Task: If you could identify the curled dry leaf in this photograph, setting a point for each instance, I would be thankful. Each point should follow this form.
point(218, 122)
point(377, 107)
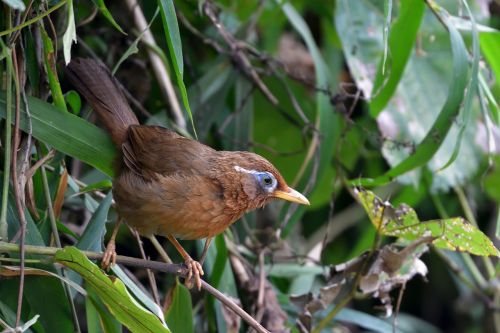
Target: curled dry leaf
point(311, 304)
point(392, 268)
point(296, 58)
point(388, 269)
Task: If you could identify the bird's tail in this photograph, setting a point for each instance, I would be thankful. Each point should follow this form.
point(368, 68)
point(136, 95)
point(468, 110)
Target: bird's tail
point(100, 89)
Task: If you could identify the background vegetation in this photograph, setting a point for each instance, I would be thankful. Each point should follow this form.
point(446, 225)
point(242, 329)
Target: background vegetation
point(397, 96)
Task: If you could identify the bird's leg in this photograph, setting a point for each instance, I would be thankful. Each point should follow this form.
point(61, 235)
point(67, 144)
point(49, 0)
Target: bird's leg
point(205, 250)
point(195, 270)
point(161, 251)
point(109, 257)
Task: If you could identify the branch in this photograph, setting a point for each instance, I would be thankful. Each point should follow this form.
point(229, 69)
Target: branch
point(177, 269)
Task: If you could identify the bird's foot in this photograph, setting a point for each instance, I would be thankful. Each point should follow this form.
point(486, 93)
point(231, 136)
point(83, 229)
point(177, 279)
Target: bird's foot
point(109, 257)
point(195, 271)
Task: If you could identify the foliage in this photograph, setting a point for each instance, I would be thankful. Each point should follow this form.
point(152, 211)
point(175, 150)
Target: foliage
point(400, 97)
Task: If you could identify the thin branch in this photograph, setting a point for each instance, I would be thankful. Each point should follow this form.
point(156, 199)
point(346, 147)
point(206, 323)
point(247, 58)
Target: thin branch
point(238, 56)
point(18, 192)
point(177, 269)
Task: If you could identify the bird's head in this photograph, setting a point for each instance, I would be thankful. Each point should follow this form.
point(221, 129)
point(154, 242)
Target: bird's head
point(261, 181)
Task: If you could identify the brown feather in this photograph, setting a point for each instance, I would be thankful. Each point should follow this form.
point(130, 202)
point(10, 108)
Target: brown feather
point(168, 184)
point(101, 91)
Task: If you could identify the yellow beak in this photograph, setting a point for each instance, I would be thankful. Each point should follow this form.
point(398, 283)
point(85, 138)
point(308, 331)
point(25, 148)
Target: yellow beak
point(291, 195)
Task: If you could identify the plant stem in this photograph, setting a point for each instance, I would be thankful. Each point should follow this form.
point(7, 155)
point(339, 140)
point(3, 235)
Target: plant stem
point(8, 140)
point(33, 20)
point(55, 233)
point(177, 269)
point(469, 215)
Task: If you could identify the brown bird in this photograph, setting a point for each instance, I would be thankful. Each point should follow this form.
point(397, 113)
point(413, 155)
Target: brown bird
point(169, 185)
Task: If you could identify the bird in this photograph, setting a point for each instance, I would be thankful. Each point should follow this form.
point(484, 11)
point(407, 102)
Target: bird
point(169, 185)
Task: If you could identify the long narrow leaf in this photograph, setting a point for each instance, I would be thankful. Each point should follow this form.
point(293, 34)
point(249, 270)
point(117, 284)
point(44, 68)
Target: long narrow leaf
point(67, 133)
point(173, 37)
point(112, 292)
point(436, 135)
point(401, 41)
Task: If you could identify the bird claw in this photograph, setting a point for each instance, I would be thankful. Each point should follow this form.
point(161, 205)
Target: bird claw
point(194, 273)
point(109, 257)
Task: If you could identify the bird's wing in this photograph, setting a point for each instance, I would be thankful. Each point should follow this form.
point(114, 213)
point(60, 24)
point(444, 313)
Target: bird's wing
point(151, 150)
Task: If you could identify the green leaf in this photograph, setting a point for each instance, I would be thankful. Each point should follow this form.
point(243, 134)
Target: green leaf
point(435, 136)
point(138, 292)
point(112, 292)
point(455, 234)
point(50, 66)
point(67, 133)
point(74, 101)
point(401, 41)
point(490, 47)
point(104, 11)
point(179, 313)
point(99, 186)
point(171, 27)
point(92, 237)
point(99, 320)
point(472, 89)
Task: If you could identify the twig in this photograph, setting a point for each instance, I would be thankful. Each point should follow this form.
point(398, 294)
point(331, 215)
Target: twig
point(157, 64)
point(177, 269)
point(233, 306)
point(151, 277)
point(33, 20)
point(55, 234)
point(17, 190)
point(239, 57)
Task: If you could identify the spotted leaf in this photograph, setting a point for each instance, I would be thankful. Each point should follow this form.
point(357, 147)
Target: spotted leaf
point(455, 234)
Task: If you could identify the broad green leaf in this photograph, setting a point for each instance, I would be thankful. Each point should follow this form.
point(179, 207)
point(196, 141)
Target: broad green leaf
point(179, 313)
point(455, 234)
point(67, 133)
point(430, 146)
point(139, 293)
point(104, 11)
point(69, 36)
point(112, 292)
point(99, 319)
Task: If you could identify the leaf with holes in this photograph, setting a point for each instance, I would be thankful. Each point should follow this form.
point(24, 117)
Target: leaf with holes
point(455, 234)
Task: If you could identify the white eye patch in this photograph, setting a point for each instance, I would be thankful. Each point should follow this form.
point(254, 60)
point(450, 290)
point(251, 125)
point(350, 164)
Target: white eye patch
point(240, 169)
point(266, 180)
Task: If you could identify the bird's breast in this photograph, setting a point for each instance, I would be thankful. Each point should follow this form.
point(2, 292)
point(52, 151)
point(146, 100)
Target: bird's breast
point(186, 206)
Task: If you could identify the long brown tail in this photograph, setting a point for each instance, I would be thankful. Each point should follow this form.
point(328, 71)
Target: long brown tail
point(95, 83)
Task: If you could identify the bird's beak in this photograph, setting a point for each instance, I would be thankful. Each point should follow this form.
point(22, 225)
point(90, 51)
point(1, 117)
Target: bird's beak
point(291, 195)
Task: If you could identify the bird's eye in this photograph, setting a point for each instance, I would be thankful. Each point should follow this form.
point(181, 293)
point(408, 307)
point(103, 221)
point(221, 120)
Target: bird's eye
point(267, 181)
